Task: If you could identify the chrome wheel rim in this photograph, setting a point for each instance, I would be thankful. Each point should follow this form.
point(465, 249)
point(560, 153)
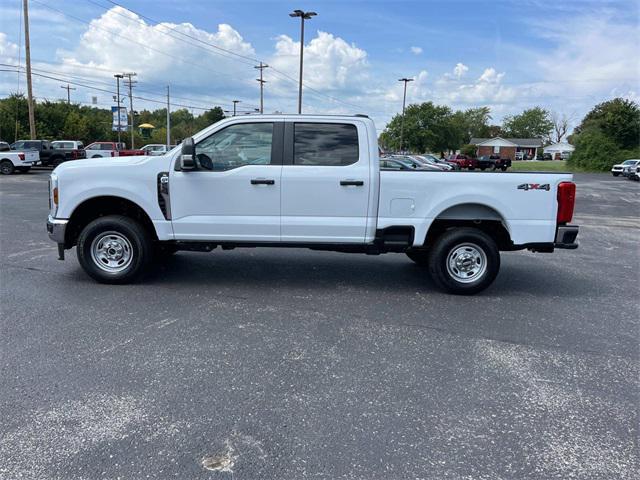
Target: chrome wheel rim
point(466, 263)
point(111, 252)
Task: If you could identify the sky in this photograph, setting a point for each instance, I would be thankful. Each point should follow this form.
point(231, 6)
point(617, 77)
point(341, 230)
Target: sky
point(565, 56)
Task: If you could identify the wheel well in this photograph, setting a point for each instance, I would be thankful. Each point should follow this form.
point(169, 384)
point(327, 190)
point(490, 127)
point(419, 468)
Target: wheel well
point(97, 207)
point(471, 215)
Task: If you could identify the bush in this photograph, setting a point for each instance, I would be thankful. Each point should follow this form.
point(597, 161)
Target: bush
point(469, 150)
point(594, 151)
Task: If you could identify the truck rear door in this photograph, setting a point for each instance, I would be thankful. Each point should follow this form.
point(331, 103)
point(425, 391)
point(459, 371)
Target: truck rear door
point(325, 182)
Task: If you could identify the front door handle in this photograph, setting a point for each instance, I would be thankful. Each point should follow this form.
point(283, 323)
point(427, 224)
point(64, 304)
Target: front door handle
point(351, 183)
point(262, 181)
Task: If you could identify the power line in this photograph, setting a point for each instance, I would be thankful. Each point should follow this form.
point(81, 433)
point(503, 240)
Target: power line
point(75, 82)
point(109, 83)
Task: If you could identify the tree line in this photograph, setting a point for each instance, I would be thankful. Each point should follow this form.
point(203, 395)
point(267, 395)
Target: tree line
point(60, 120)
point(609, 133)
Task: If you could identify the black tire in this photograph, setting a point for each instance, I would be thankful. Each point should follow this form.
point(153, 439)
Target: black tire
point(462, 243)
point(421, 257)
point(114, 228)
point(23, 169)
point(6, 167)
point(504, 169)
point(483, 168)
point(96, 156)
point(615, 174)
point(471, 169)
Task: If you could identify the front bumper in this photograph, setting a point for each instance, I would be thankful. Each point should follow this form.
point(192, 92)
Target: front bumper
point(566, 237)
point(56, 228)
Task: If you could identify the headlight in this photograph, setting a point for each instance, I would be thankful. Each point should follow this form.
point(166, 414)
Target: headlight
point(54, 194)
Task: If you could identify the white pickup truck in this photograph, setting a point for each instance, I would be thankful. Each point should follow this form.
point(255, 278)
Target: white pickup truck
point(11, 160)
point(302, 181)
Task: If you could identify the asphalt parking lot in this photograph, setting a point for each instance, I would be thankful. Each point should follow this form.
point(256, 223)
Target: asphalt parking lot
point(285, 364)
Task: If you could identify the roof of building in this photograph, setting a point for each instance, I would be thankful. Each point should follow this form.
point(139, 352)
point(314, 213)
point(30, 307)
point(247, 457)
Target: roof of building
point(520, 142)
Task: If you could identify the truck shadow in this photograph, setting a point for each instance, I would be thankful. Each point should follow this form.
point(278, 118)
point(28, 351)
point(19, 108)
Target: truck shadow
point(301, 269)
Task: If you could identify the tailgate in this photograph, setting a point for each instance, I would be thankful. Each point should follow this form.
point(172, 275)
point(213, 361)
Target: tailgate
point(31, 156)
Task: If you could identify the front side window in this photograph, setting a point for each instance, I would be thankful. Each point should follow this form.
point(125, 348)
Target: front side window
point(236, 146)
point(325, 144)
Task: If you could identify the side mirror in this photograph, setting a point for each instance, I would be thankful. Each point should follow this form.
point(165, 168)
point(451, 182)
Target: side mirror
point(188, 155)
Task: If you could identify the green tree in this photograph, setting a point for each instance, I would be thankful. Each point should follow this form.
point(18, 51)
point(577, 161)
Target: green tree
point(532, 123)
point(618, 119)
point(75, 127)
point(427, 127)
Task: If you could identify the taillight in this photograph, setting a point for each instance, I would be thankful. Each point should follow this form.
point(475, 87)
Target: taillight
point(566, 201)
point(21, 156)
point(113, 153)
point(74, 154)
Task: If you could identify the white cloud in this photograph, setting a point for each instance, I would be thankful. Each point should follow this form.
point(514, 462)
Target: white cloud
point(330, 63)
point(8, 50)
point(416, 50)
point(460, 69)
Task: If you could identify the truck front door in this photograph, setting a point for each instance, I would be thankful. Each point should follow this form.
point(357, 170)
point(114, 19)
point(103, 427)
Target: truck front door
point(325, 182)
point(234, 194)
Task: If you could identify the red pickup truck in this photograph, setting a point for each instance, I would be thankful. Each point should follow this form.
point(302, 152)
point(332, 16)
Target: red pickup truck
point(110, 149)
point(463, 161)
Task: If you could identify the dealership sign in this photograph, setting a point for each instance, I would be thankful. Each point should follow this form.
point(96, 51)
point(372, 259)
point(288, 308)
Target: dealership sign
point(123, 119)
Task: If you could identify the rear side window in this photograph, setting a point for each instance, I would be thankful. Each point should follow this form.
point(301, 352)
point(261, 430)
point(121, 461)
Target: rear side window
point(325, 144)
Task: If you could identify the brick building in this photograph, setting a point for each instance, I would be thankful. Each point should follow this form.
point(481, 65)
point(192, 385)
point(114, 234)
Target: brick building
point(508, 147)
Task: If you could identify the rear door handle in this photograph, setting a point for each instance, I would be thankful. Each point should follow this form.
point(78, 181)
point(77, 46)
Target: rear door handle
point(351, 183)
point(262, 181)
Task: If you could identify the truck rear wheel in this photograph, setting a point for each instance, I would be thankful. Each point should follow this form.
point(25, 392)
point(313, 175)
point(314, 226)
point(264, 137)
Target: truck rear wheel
point(114, 249)
point(6, 167)
point(464, 261)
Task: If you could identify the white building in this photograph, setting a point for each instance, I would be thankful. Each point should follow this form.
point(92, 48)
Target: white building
point(561, 150)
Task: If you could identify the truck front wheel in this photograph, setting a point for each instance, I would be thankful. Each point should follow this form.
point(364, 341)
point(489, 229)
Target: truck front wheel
point(114, 249)
point(464, 261)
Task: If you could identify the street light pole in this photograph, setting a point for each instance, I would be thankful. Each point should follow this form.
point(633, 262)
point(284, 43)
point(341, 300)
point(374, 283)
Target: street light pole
point(404, 100)
point(303, 16)
point(235, 102)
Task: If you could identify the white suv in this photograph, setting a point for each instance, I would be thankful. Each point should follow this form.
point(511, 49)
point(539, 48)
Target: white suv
point(625, 167)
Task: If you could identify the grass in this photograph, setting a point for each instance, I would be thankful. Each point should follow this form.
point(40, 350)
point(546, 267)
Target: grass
point(540, 166)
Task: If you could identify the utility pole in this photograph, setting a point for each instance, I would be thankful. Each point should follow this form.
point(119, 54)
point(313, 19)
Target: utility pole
point(235, 102)
point(404, 100)
point(261, 67)
point(130, 84)
point(68, 88)
point(27, 53)
point(118, 76)
point(168, 120)
point(303, 16)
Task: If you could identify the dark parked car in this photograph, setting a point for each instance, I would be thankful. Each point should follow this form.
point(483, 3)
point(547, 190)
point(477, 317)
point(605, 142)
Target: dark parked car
point(44, 148)
point(493, 162)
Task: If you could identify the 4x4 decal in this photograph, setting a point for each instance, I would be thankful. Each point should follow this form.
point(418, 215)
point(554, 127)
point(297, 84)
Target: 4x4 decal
point(534, 186)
